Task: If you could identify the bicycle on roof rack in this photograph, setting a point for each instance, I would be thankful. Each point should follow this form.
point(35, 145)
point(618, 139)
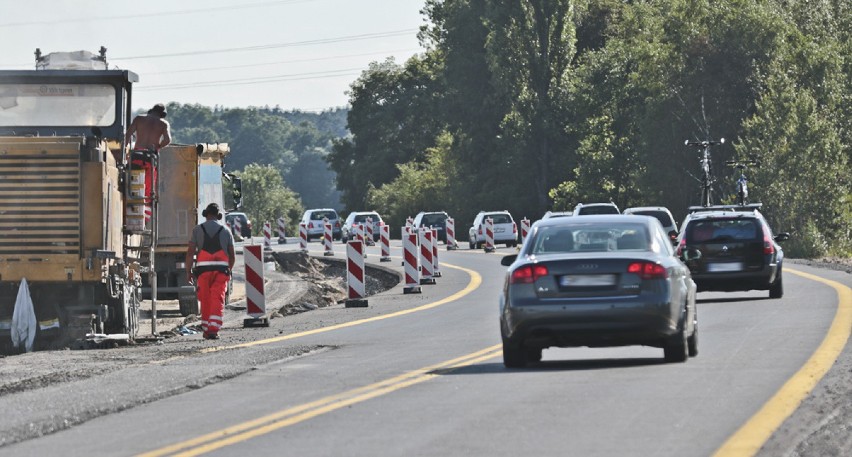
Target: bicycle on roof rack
point(706, 179)
point(742, 181)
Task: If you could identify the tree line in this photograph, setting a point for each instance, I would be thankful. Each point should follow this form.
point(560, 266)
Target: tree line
point(537, 105)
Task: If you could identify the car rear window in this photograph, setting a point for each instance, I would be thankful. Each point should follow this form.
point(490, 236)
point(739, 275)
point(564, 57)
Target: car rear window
point(319, 215)
point(591, 238)
point(604, 209)
point(433, 219)
point(662, 216)
point(712, 230)
point(363, 217)
point(500, 218)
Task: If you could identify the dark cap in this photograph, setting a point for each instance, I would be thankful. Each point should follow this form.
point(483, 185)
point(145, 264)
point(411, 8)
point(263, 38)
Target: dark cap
point(159, 109)
point(212, 210)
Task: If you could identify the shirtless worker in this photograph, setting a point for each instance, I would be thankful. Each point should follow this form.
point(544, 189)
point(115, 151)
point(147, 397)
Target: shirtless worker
point(152, 131)
point(152, 134)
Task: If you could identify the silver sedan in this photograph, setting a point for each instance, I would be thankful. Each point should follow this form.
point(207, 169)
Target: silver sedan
point(597, 281)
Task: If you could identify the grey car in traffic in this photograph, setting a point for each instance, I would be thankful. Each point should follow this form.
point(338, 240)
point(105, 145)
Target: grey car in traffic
point(597, 281)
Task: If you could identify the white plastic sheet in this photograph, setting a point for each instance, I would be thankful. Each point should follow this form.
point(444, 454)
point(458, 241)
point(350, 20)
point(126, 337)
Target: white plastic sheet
point(24, 322)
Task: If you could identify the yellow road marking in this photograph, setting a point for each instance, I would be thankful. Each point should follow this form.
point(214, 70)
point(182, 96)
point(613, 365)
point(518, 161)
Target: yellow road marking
point(475, 281)
point(757, 430)
point(294, 415)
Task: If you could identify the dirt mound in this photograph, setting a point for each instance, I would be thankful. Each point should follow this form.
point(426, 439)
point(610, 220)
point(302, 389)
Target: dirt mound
point(298, 263)
point(325, 286)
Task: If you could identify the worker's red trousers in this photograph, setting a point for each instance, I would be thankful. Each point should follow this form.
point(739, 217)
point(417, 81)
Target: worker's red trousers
point(212, 286)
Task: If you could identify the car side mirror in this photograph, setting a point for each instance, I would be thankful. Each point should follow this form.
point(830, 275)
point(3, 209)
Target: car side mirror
point(673, 237)
point(783, 236)
point(508, 259)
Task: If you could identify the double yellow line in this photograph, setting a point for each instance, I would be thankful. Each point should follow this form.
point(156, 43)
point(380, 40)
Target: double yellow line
point(263, 425)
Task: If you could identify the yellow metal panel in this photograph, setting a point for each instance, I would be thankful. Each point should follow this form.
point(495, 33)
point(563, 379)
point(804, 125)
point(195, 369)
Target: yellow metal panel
point(93, 225)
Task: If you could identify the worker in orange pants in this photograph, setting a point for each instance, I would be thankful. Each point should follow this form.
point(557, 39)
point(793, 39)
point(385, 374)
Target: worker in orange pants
point(211, 248)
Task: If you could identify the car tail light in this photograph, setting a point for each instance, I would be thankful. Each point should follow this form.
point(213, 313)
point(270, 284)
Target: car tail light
point(514, 228)
point(681, 246)
point(768, 247)
point(648, 270)
point(528, 274)
point(248, 223)
point(480, 230)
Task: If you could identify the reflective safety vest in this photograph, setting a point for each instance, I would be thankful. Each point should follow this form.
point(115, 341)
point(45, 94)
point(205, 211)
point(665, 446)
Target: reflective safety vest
point(211, 257)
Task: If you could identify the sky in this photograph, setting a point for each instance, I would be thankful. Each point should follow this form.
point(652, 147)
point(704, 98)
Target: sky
point(296, 54)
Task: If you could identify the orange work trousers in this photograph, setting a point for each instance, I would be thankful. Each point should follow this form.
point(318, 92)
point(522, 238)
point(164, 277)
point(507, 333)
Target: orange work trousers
point(212, 286)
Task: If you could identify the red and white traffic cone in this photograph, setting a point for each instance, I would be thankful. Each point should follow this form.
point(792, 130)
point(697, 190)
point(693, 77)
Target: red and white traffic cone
point(384, 239)
point(303, 237)
point(327, 239)
point(489, 235)
point(525, 229)
point(255, 295)
point(282, 238)
point(409, 261)
point(451, 235)
point(426, 265)
point(355, 275)
point(436, 272)
point(267, 236)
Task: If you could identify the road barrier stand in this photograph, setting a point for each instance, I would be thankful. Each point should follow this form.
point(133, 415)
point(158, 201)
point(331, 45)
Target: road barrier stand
point(303, 237)
point(355, 275)
point(436, 272)
point(255, 295)
point(267, 236)
point(409, 261)
point(238, 227)
point(384, 239)
point(452, 245)
point(327, 239)
point(369, 232)
point(426, 266)
point(525, 229)
point(282, 238)
point(489, 235)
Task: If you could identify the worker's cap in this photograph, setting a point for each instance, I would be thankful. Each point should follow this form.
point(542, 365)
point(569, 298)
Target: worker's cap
point(159, 109)
point(211, 211)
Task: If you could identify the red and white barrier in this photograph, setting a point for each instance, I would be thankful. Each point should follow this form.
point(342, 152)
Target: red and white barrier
point(282, 238)
point(452, 244)
point(238, 227)
point(525, 229)
point(369, 232)
point(384, 240)
point(255, 295)
point(436, 272)
point(303, 237)
point(409, 261)
point(327, 238)
point(355, 275)
point(267, 236)
point(409, 222)
point(489, 235)
point(426, 266)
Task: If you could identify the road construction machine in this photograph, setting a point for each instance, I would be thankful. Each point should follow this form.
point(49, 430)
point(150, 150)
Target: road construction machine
point(190, 178)
point(70, 224)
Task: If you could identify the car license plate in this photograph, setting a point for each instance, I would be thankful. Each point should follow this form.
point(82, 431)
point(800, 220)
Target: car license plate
point(499, 230)
point(587, 280)
point(724, 267)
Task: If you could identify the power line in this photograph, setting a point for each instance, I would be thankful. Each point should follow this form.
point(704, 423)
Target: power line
point(136, 15)
point(365, 36)
point(264, 64)
point(258, 80)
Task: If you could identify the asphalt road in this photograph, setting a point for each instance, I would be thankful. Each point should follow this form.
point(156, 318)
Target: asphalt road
point(423, 375)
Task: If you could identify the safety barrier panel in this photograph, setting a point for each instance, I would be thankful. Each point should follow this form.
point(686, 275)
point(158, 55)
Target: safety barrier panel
point(452, 244)
point(303, 237)
point(409, 261)
point(327, 238)
point(282, 238)
point(525, 229)
point(355, 275)
point(384, 239)
point(436, 272)
point(426, 265)
point(255, 294)
point(489, 235)
point(267, 236)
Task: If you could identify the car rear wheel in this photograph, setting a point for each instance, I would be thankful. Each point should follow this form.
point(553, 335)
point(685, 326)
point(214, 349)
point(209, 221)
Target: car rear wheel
point(776, 289)
point(692, 342)
point(534, 355)
point(676, 348)
point(514, 355)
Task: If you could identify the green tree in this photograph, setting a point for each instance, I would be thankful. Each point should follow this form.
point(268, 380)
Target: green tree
point(266, 198)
